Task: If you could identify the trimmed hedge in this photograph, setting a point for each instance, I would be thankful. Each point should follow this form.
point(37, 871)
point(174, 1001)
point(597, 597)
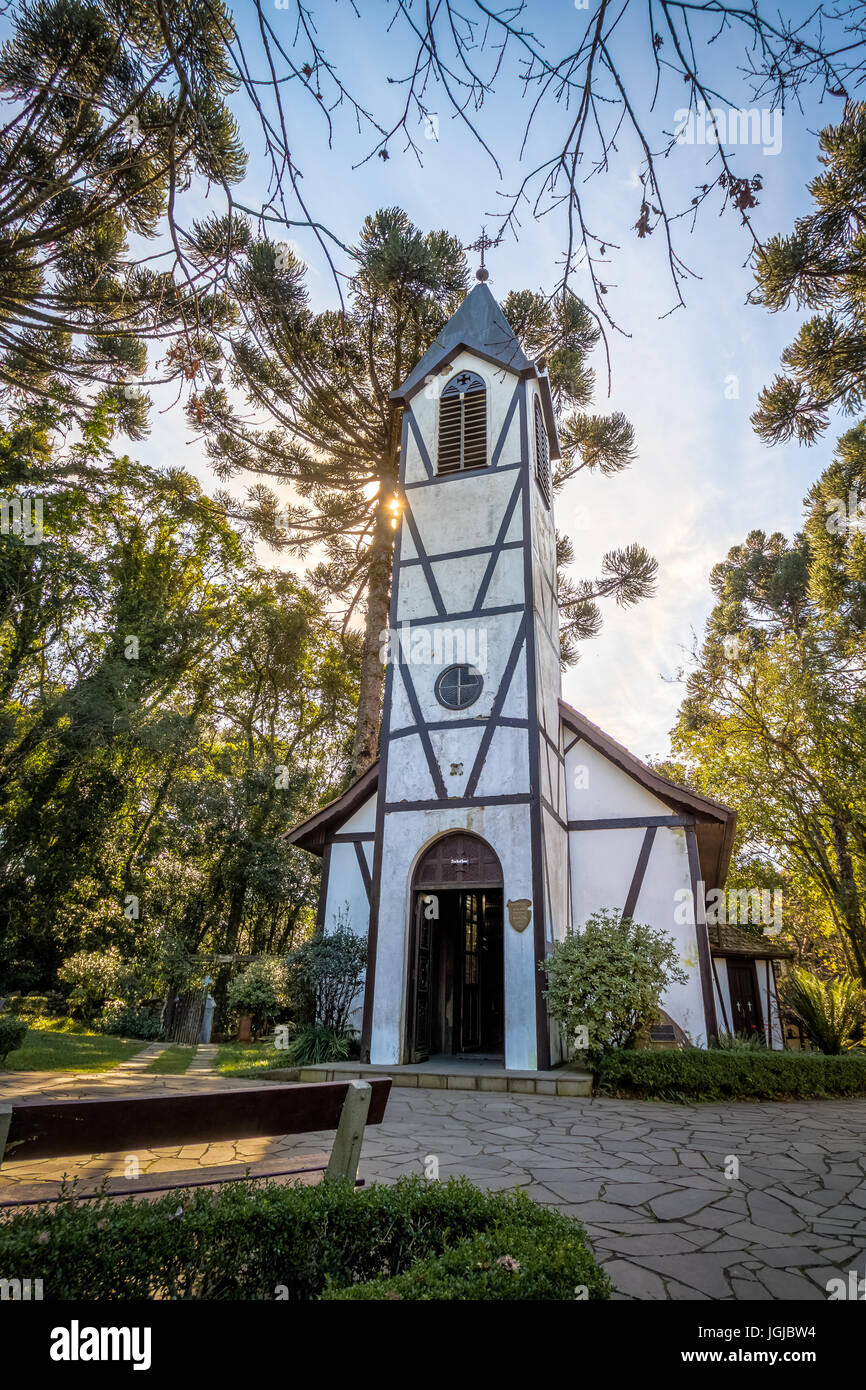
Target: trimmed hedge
point(52, 1005)
point(696, 1073)
point(264, 1240)
point(508, 1263)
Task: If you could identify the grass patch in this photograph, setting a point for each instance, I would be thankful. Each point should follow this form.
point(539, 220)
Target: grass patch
point(712, 1075)
point(413, 1240)
point(249, 1059)
point(62, 1045)
point(172, 1061)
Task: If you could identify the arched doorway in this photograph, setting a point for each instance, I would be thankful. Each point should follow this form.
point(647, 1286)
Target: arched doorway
point(456, 973)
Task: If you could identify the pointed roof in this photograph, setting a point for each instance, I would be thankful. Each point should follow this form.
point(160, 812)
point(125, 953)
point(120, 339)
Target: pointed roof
point(478, 326)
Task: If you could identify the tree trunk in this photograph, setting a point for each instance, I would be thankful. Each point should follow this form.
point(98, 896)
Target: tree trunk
point(848, 897)
point(366, 746)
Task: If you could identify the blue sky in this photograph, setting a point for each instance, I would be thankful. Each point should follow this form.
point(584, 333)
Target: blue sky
point(688, 381)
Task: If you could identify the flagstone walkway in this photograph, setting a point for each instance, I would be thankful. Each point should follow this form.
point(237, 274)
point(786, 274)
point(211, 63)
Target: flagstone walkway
point(680, 1202)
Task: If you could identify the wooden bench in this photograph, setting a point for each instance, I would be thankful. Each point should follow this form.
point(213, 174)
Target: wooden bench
point(35, 1129)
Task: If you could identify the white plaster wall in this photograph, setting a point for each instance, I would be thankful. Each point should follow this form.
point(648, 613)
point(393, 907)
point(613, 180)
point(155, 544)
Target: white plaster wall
point(346, 894)
point(602, 867)
point(608, 791)
point(498, 634)
point(406, 835)
point(364, 819)
point(667, 873)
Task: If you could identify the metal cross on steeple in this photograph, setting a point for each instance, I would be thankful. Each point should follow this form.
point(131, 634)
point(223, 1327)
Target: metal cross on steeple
point(483, 244)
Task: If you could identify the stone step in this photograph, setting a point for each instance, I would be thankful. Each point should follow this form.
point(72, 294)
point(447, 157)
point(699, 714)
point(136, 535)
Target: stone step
point(544, 1083)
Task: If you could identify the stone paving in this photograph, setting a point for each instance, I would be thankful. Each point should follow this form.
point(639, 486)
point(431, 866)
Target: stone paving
point(648, 1180)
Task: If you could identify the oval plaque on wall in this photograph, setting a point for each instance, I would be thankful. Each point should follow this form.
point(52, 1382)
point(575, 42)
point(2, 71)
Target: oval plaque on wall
point(519, 913)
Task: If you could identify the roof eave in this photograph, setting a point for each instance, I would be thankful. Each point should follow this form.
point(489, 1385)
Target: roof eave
point(313, 833)
point(406, 392)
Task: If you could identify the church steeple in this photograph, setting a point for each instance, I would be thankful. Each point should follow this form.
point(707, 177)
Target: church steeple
point(471, 739)
point(480, 327)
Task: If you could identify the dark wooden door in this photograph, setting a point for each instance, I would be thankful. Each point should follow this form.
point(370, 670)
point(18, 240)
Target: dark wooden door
point(745, 1000)
point(421, 984)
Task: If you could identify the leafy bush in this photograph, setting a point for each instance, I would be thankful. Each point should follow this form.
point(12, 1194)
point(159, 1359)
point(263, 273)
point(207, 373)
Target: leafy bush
point(698, 1074)
point(332, 967)
point(831, 1011)
point(95, 977)
point(260, 991)
point(249, 1240)
point(608, 979)
point(315, 1045)
point(13, 1031)
point(131, 1021)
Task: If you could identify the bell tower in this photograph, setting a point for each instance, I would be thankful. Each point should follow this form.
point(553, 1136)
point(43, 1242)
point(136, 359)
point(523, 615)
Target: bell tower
point(471, 741)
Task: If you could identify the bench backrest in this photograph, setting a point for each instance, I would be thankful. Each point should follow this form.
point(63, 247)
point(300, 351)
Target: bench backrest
point(55, 1128)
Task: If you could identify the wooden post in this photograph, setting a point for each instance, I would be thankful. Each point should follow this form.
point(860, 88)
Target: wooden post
point(5, 1122)
point(346, 1153)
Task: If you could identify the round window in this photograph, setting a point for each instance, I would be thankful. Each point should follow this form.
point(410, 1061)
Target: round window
point(459, 686)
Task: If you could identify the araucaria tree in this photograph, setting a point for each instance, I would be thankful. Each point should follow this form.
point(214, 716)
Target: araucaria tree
point(821, 266)
point(112, 111)
point(320, 417)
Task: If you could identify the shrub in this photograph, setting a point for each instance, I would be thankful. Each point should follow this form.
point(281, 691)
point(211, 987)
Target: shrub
point(831, 1011)
point(507, 1263)
point(95, 977)
point(50, 1005)
point(260, 991)
point(315, 1045)
point(332, 967)
point(698, 1074)
point(131, 1021)
point(607, 980)
point(13, 1031)
point(248, 1240)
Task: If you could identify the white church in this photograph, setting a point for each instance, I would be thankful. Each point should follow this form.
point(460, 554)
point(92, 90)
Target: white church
point(497, 816)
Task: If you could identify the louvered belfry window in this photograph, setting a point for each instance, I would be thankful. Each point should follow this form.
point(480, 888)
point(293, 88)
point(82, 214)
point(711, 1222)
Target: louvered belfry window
point(463, 424)
point(542, 453)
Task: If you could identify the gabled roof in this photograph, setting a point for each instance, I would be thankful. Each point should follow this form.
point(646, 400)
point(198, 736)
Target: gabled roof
point(315, 832)
point(715, 823)
point(478, 326)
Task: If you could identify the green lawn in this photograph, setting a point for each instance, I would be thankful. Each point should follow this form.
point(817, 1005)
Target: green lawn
point(66, 1046)
point(249, 1059)
point(173, 1061)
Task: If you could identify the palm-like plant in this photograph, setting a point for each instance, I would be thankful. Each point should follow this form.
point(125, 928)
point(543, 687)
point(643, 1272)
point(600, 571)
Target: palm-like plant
point(831, 1011)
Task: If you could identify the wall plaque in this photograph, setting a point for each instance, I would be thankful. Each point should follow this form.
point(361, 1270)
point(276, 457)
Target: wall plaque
point(519, 913)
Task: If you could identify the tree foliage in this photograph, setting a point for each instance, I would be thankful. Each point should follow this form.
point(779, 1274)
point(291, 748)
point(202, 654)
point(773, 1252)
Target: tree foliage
point(821, 266)
point(167, 709)
point(323, 421)
point(113, 110)
point(774, 721)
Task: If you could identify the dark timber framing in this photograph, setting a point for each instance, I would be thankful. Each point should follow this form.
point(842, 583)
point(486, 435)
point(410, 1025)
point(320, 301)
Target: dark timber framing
point(542, 1031)
point(364, 867)
point(629, 822)
point(373, 930)
point(640, 870)
point(702, 938)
